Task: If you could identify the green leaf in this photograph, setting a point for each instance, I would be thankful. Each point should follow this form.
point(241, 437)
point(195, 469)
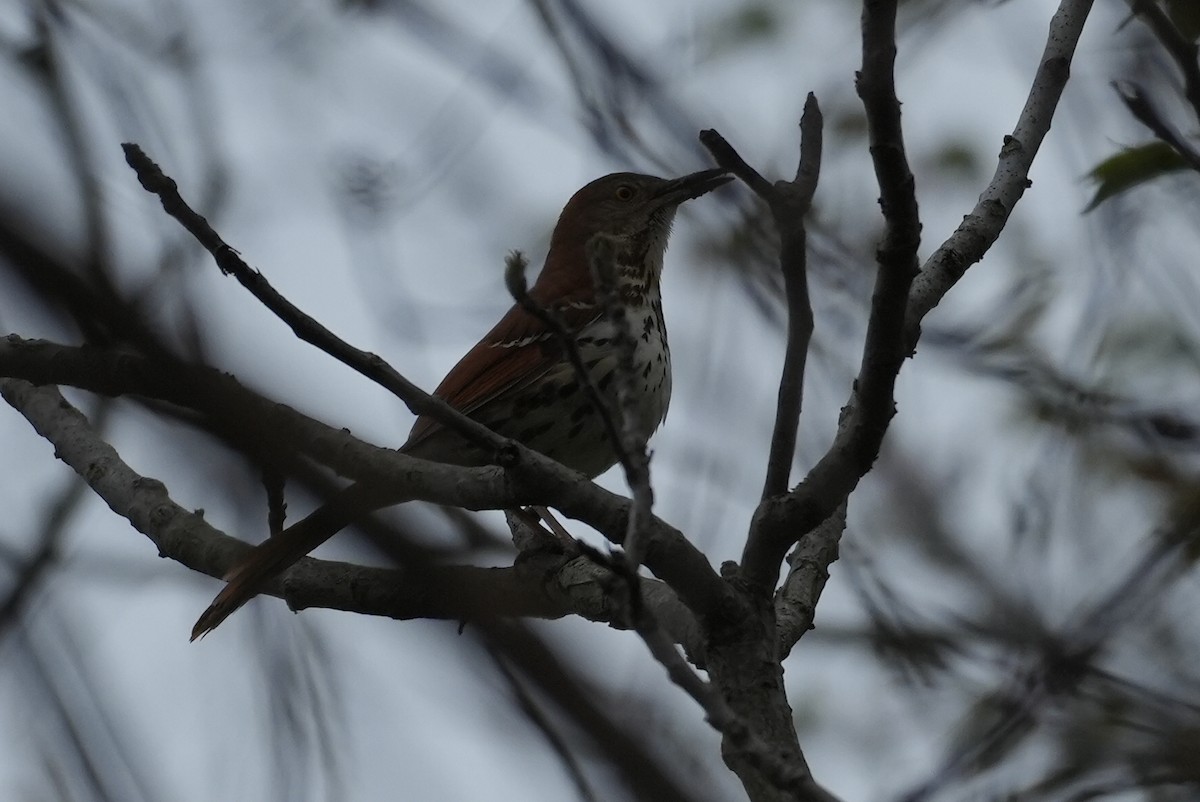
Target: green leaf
point(1131, 167)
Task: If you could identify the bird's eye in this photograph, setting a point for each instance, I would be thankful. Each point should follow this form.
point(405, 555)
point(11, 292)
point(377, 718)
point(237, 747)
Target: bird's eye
point(625, 192)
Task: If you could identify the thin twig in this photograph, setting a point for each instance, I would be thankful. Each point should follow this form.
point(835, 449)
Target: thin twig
point(788, 202)
point(305, 327)
point(725, 156)
point(630, 446)
point(629, 442)
point(543, 724)
point(273, 484)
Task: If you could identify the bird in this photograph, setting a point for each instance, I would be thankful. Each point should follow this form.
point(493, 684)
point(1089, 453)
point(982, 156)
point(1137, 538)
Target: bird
point(518, 379)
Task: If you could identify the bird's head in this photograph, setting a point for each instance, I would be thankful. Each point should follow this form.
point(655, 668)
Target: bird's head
point(636, 211)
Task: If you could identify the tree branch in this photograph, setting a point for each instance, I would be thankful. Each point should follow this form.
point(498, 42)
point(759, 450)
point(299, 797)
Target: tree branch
point(370, 365)
point(980, 228)
point(789, 202)
point(669, 555)
point(793, 777)
point(514, 279)
point(540, 586)
point(781, 521)
point(601, 255)
point(866, 417)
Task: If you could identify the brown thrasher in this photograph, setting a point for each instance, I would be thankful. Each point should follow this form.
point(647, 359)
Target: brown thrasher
point(517, 380)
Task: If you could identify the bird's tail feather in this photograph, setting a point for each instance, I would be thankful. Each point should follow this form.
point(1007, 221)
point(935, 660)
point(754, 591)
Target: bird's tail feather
point(276, 554)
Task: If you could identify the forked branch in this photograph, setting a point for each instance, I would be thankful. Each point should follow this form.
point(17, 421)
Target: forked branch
point(894, 327)
point(789, 202)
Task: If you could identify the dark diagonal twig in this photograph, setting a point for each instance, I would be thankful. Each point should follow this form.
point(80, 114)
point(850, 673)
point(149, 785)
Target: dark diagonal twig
point(305, 327)
point(630, 446)
point(1183, 50)
point(1139, 105)
point(543, 724)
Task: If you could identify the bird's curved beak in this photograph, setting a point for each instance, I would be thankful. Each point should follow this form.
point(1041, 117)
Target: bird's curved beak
point(678, 190)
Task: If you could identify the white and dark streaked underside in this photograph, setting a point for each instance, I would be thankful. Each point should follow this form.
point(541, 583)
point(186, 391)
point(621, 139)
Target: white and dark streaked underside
point(569, 429)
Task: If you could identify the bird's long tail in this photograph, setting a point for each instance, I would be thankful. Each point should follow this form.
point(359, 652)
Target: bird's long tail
point(276, 554)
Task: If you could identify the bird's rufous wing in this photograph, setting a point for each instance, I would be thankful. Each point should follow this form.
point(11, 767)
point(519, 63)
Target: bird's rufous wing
point(519, 350)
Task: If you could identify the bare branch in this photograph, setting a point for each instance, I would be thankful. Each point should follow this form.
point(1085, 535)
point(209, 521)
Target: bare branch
point(629, 441)
point(788, 201)
point(871, 406)
point(543, 586)
point(780, 521)
point(370, 365)
point(725, 156)
point(514, 279)
point(669, 555)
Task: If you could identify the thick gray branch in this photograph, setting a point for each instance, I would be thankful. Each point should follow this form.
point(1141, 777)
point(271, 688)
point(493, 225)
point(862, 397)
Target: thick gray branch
point(536, 481)
point(543, 586)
